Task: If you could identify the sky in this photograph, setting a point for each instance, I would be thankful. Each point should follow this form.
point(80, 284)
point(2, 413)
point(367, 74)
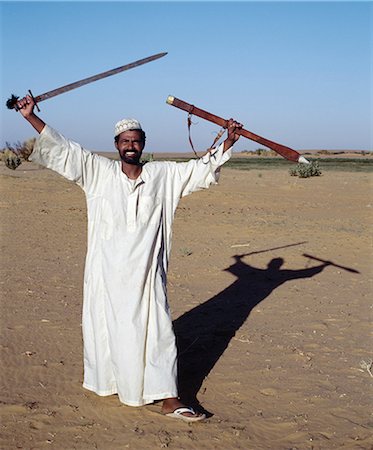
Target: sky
point(297, 73)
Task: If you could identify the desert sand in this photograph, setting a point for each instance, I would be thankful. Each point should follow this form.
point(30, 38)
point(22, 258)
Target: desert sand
point(271, 341)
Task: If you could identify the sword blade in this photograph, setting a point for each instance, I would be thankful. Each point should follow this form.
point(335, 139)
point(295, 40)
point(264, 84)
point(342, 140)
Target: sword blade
point(100, 76)
point(12, 102)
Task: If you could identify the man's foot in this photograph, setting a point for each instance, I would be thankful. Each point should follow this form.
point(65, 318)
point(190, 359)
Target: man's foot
point(172, 407)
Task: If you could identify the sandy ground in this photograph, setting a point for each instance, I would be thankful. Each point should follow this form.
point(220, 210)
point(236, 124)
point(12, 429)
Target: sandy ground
point(271, 341)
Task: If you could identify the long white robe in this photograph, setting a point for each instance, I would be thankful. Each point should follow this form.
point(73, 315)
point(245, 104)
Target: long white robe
point(129, 343)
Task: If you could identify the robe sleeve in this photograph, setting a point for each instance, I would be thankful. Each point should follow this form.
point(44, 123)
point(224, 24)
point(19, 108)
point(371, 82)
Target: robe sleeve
point(69, 159)
point(198, 174)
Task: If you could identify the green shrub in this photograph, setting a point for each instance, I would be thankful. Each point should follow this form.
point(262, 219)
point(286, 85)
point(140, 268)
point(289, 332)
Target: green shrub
point(306, 170)
point(11, 159)
point(147, 157)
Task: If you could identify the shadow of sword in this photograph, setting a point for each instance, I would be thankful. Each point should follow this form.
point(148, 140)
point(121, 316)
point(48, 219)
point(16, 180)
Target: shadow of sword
point(330, 263)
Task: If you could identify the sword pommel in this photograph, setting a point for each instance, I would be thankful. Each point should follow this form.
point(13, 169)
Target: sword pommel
point(11, 103)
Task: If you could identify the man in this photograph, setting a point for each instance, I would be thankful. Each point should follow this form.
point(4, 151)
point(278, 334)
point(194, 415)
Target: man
point(129, 343)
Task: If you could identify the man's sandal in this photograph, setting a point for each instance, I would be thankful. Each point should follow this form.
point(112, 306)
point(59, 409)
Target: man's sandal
point(178, 413)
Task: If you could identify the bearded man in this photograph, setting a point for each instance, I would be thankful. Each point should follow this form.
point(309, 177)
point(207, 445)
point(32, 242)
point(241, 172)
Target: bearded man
point(129, 342)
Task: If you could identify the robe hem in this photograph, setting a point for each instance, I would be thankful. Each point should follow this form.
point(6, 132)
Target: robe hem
point(147, 399)
point(100, 393)
point(156, 397)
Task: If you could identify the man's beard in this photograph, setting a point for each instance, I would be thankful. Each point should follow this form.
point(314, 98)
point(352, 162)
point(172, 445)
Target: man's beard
point(133, 159)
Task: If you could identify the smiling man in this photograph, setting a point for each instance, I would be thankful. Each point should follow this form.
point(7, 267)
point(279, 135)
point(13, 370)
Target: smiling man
point(130, 142)
point(129, 343)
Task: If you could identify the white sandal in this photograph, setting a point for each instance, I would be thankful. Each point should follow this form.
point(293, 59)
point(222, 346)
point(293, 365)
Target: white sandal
point(178, 413)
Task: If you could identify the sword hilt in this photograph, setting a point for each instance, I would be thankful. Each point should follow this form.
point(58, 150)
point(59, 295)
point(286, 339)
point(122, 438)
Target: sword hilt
point(11, 103)
point(36, 104)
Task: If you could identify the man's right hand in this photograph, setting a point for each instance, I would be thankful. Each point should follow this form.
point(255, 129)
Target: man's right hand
point(26, 107)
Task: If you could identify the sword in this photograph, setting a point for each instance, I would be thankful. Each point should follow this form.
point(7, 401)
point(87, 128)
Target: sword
point(286, 152)
point(12, 101)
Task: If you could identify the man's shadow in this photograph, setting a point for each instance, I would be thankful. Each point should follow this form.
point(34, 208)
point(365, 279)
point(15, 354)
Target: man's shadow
point(204, 332)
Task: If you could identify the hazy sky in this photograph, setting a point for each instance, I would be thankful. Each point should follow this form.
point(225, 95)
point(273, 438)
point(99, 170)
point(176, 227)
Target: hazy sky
point(298, 73)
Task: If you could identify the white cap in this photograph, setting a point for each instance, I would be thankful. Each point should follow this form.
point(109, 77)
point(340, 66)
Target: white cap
point(125, 125)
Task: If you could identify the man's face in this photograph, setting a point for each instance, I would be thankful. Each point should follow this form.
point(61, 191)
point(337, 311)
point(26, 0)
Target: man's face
point(130, 146)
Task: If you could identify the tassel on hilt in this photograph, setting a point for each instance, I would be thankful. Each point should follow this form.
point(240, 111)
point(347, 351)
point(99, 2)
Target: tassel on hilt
point(11, 103)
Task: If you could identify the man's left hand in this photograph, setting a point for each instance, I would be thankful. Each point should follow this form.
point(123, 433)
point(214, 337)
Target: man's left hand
point(233, 136)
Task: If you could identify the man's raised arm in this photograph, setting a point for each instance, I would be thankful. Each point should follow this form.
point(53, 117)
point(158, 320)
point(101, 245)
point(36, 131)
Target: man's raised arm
point(26, 108)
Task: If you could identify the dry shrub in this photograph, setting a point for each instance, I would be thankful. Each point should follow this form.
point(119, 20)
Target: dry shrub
point(12, 155)
point(324, 152)
point(26, 148)
point(265, 152)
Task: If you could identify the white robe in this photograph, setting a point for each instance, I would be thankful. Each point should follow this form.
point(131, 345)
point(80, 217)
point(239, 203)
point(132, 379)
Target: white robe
point(129, 343)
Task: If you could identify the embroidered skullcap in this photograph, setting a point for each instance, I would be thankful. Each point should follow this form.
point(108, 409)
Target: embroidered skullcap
point(125, 125)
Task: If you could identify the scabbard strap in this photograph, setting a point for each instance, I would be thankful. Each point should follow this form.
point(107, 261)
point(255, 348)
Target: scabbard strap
point(216, 140)
point(189, 133)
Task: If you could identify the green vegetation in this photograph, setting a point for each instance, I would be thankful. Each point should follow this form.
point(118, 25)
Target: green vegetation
point(11, 160)
point(306, 170)
point(262, 152)
point(147, 157)
point(326, 164)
